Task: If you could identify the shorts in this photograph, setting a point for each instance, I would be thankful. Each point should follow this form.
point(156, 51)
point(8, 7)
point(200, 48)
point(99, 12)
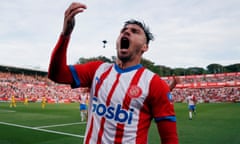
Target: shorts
point(192, 107)
point(83, 107)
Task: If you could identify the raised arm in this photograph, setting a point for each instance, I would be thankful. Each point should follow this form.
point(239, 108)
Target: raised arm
point(69, 15)
point(58, 70)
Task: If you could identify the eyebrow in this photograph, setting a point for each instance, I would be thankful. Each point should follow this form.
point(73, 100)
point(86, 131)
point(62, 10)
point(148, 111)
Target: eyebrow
point(131, 28)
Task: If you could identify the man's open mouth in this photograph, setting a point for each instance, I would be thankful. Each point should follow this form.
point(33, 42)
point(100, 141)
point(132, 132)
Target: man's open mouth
point(124, 43)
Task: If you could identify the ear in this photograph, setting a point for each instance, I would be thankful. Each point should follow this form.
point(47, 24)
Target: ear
point(144, 48)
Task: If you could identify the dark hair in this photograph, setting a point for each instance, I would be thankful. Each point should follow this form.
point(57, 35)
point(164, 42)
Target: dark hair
point(145, 28)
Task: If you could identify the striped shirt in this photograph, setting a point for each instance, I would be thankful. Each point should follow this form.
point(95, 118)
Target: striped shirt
point(122, 102)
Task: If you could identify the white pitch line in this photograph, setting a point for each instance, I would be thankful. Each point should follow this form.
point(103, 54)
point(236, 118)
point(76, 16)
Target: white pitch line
point(2, 110)
point(44, 130)
point(60, 125)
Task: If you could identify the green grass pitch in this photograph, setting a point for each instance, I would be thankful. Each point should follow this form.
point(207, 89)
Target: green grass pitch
point(60, 123)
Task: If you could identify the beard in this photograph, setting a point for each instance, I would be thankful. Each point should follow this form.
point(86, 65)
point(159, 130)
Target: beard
point(129, 56)
point(124, 58)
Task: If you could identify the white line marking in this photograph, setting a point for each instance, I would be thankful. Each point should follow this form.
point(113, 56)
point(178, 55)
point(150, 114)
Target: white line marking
point(44, 130)
point(60, 125)
point(2, 110)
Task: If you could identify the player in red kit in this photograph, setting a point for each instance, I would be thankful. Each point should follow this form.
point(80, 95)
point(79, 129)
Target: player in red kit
point(124, 96)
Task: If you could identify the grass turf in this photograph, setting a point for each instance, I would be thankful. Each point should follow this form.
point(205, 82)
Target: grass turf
point(214, 123)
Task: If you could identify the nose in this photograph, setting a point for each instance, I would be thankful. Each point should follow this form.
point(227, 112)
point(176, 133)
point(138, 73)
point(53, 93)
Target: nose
point(126, 32)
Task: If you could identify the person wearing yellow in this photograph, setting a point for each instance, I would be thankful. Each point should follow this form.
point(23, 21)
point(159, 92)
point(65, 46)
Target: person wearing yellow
point(43, 102)
point(12, 102)
point(25, 100)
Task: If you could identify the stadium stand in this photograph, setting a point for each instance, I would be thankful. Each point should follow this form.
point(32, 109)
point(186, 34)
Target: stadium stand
point(33, 84)
point(223, 87)
point(209, 88)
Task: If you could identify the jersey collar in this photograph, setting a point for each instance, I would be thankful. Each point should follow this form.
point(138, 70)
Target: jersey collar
point(119, 70)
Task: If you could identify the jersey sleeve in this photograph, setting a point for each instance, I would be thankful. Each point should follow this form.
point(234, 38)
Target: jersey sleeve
point(58, 71)
point(76, 75)
point(161, 100)
point(83, 73)
point(163, 111)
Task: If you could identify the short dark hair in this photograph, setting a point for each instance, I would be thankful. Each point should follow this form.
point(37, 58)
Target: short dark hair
point(145, 28)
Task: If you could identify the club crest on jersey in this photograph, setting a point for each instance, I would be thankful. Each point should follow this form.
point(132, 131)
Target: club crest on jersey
point(134, 91)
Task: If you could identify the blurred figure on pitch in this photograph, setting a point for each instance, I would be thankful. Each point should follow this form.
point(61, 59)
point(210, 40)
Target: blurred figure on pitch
point(25, 100)
point(192, 101)
point(83, 100)
point(12, 102)
point(43, 102)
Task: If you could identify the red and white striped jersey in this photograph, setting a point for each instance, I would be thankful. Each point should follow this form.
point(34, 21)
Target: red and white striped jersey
point(122, 102)
point(83, 98)
point(191, 100)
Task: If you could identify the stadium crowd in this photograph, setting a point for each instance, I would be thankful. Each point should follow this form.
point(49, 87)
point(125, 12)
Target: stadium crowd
point(224, 87)
point(34, 88)
point(207, 88)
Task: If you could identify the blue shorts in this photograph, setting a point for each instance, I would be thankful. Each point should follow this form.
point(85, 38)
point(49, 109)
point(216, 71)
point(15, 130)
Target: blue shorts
point(83, 107)
point(192, 107)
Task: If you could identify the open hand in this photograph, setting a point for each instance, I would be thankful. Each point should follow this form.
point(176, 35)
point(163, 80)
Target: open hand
point(69, 14)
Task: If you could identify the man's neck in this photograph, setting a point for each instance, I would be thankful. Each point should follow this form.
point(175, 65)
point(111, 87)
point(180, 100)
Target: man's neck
point(124, 65)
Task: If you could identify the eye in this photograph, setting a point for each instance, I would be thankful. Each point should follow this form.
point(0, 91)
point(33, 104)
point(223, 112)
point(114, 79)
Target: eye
point(123, 30)
point(134, 31)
